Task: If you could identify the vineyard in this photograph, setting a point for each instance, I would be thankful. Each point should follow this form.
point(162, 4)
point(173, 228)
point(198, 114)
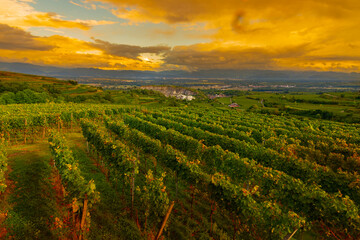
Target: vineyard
point(126, 172)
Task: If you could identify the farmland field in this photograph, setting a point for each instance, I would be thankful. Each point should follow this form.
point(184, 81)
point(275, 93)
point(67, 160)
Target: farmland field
point(115, 172)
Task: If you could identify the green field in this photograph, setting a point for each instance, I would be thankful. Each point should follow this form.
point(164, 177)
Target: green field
point(341, 106)
point(220, 156)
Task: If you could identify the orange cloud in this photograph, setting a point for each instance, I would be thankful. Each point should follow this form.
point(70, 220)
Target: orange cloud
point(170, 11)
point(84, 4)
point(174, 11)
point(51, 20)
point(19, 13)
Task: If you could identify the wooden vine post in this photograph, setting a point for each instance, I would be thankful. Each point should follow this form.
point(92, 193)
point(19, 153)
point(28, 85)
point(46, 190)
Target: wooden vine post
point(74, 218)
point(290, 235)
point(83, 218)
point(165, 220)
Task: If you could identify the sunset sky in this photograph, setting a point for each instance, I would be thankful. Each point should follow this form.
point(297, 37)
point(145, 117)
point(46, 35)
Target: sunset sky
point(321, 35)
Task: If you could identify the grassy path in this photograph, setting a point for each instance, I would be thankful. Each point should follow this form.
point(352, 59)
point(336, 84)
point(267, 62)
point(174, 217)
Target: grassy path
point(33, 198)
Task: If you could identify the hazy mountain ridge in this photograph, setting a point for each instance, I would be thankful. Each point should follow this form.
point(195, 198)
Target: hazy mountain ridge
point(267, 75)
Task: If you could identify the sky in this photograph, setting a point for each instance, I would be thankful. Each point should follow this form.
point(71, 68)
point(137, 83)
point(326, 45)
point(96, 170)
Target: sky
point(301, 35)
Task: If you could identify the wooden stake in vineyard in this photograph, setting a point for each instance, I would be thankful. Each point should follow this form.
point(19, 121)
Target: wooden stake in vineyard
point(290, 235)
point(165, 220)
point(74, 210)
point(83, 218)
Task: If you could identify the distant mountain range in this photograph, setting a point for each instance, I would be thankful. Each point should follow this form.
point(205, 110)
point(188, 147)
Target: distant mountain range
point(259, 75)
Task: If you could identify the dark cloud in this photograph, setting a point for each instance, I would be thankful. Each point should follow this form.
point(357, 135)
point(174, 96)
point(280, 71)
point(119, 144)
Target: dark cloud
point(295, 51)
point(225, 59)
point(231, 58)
point(17, 39)
point(334, 58)
point(128, 51)
point(173, 18)
point(238, 21)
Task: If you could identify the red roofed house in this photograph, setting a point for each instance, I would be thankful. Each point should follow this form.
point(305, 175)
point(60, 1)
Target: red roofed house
point(234, 105)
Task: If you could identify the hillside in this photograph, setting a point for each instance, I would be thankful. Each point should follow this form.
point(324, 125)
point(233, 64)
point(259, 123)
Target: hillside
point(25, 88)
point(14, 77)
point(10, 81)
